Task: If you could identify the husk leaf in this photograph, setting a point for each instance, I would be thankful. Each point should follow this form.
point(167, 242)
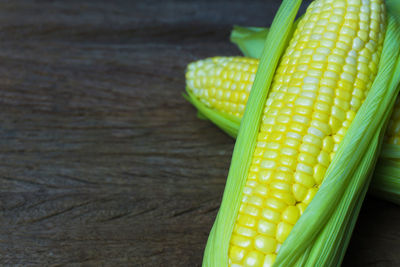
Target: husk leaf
point(216, 252)
point(250, 40)
point(228, 123)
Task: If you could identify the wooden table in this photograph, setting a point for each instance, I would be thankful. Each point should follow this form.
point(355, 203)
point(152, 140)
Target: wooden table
point(103, 163)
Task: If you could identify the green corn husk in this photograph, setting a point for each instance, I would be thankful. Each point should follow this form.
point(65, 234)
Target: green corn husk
point(216, 252)
point(250, 40)
point(321, 235)
point(386, 182)
point(228, 123)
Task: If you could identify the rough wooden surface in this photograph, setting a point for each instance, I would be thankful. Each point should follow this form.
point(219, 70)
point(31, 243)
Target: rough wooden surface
point(103, 163)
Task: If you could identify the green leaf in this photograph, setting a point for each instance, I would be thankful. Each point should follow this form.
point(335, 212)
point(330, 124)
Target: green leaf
point(250, 40)
point(216, 253)
point(386, 183)
point(228, 123)
point(393, 7)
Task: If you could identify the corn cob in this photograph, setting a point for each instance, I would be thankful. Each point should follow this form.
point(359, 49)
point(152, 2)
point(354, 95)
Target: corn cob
point(320, 84)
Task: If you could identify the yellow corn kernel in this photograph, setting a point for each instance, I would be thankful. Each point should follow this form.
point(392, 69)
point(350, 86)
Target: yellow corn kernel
point(254, 258)
point(283, 231)
point(265, 244)
point(246, 220)
point(261, 191)
point(241, 241)
point(285, 197)
point(255, 200)
point(304, 179)
point(250, 210)
point(281, 187)
point(319, 173)
point(275, 204)
point(244, 231)
point(237, 253)
point(302, 207)
point(271, 215)
point(299, 192)
point(291, 215)
point(265, 177)
point(266, 228)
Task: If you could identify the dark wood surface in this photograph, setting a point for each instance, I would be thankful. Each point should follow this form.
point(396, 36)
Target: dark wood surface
point(103, 163)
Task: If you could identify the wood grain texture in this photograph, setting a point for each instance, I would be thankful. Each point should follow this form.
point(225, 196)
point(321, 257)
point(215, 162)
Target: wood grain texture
point(103, 163)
